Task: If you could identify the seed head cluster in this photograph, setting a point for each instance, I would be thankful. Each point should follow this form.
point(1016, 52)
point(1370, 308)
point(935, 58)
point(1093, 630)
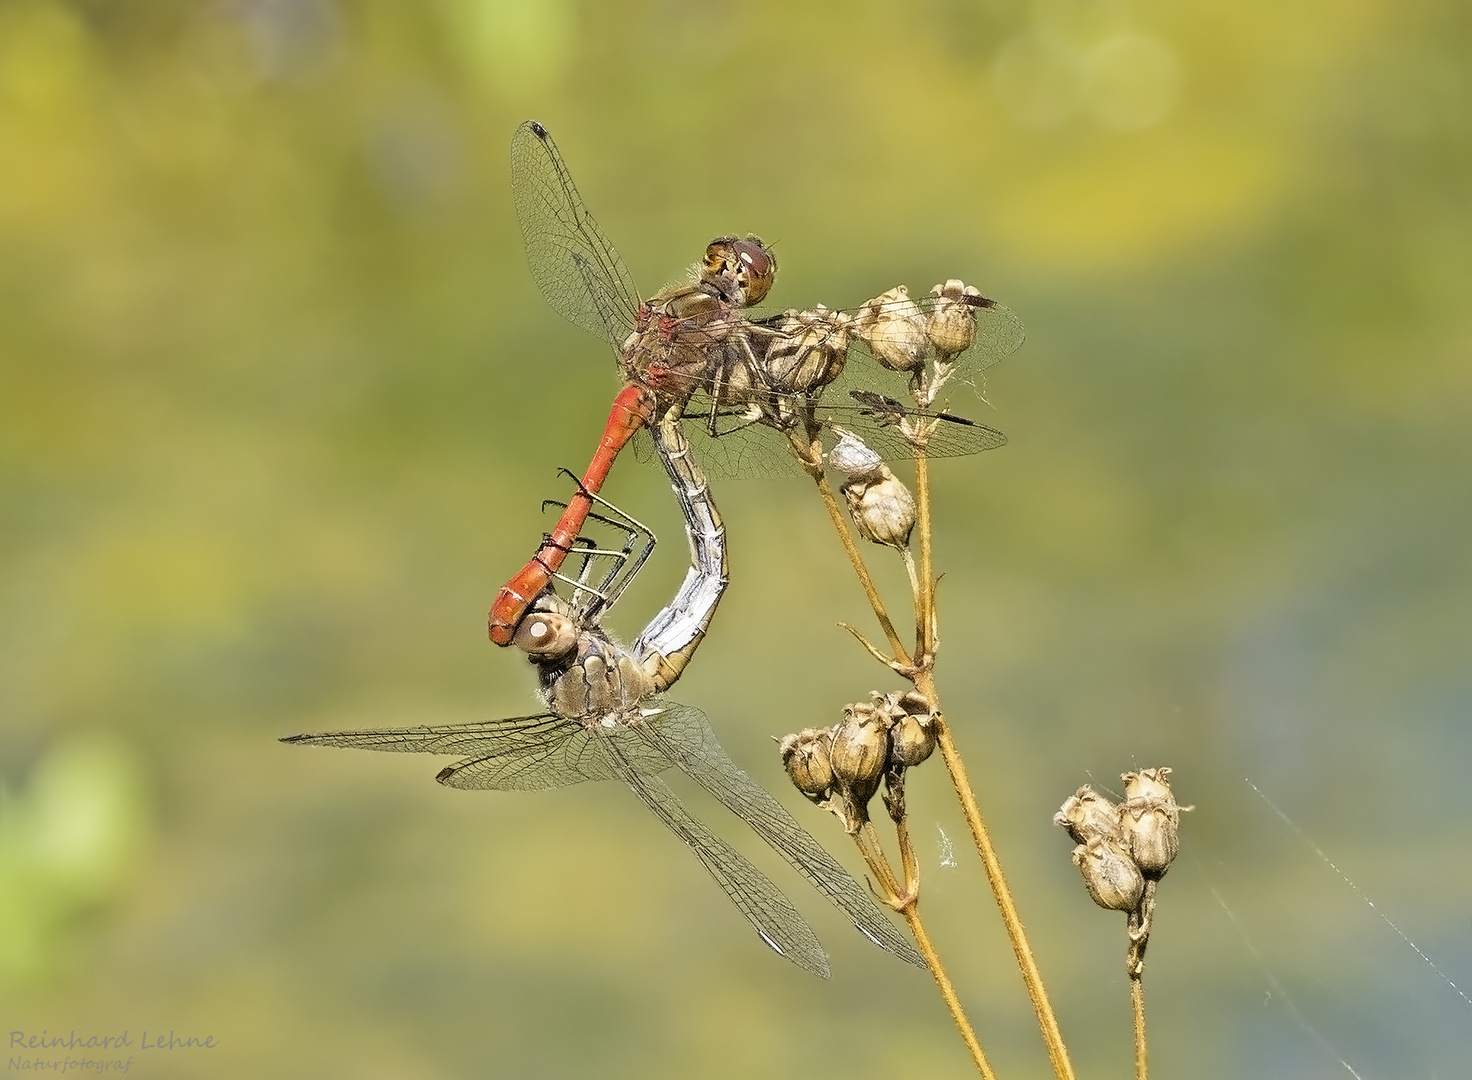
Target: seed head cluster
point(1124, 849)
point(841, 768)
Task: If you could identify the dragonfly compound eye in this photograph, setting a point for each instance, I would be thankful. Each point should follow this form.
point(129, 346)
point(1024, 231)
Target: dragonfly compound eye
point(756, 268)
point(741, 270)
point(545, 634)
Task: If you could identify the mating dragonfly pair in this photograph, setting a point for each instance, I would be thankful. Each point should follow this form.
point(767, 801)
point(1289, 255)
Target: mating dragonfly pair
point(695, 364)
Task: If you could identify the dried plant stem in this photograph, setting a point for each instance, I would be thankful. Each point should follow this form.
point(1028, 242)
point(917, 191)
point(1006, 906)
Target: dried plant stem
point(947, 991)
point(922, 675)
point(867, 841)
point(831, 502)
point(1137, 1000)
point(1031, 977)
point(925, 595)
point(925, 683)
point(906, 900)
point(909, 559)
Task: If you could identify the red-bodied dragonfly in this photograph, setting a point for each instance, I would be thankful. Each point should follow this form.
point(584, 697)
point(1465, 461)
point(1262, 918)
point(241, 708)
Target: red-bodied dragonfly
point(604, 721)
point(691, 351)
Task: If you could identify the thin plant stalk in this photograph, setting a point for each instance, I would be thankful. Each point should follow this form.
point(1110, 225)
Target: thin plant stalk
point(1137, 1001)
point(921, 674)
point(925, 683)
point(857, 560)
point(911, 913)
point(925, 599)
point(906, 900)
point(1032, 978)
point(921, 616)
point(869, 847)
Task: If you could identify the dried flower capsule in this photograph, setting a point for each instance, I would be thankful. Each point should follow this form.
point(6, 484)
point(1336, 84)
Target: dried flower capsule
point(1087, 815)
point(851, 456)
point(809, 351)
point(911, 732)
point(1110, 875)
point(805, 755)
point(859, 755)
point(894, 328)
point(952, 323)
point(882, 507)
point(860, 746)
point(1150, 820)
point(1148, 783)
point(912, 740)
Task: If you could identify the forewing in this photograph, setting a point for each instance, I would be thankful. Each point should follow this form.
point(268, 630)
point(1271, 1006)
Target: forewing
point(762, 904)
point(999, 331)
point(999, 334)
point(525, 753)
point(729, 445)
point(685, 736)
point(738, 449)
point(577, 269)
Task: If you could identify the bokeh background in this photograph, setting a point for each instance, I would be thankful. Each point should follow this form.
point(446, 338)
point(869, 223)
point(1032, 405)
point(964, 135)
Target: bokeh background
point(279, 401)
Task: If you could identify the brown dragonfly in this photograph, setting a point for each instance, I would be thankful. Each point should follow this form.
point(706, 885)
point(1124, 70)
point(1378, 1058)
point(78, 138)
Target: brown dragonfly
point(692, 351)
point(604, 721)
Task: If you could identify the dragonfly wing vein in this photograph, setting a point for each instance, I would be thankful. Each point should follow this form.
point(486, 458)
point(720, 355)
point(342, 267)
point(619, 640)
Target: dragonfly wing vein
point(763, 905)
point(442, 738)
point(576, 267)
point(685, 735)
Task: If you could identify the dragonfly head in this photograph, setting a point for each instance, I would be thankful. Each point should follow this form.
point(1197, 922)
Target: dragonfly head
point(546, 635)
point(740, 270)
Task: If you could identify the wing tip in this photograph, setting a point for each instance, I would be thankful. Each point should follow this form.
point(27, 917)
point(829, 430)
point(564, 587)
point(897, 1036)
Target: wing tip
point(814, 961)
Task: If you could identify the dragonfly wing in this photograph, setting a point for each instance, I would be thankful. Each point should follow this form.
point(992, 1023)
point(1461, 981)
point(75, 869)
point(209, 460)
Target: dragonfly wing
point(576, 267)
point(950, 436)
point(999, 334)
point(525, 753)
point(442, 738)
point(571, 755)
point(741, 448)
point(773, 916)
point(686, 737)
point(737, 449)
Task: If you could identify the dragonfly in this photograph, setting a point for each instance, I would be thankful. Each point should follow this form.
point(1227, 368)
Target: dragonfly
point(605, 720)
point(691, 351)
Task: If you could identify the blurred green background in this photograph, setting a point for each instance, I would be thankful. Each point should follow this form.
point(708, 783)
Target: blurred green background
point(279, 400)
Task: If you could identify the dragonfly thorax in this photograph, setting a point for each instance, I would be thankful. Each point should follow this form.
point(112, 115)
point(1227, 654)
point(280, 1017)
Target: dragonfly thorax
point(682, 335)
point(597, 679)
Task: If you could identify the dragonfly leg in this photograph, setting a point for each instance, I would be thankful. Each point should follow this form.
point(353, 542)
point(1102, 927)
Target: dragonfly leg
point(626, 561)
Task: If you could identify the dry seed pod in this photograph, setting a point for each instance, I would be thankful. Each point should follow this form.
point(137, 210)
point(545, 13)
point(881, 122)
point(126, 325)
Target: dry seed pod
point(912, 702)
point(859, 754)
point(912, 741)
point(911, 733)
point(882, 507)
point(1110, 875)
point(852, 457)
point(860, 747)
point(805, 755)
point(1087, 815)
point(952, 324)
point(1150, 820)
point(810, 351)
point(1148, 783)
point(894, 328)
